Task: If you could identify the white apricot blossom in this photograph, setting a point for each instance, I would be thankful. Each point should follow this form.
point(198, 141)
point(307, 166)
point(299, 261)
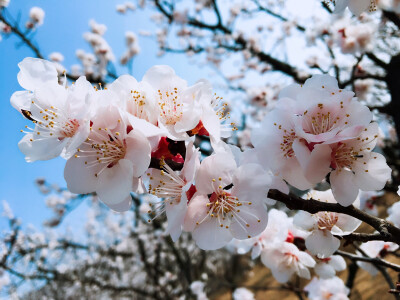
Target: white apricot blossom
point(229, 202)
point(324, 225)
point(111, 160)
point(356, 167)
point(327, 267)
point(179, 108)
point(60, 114)
point(277, 230)
point(327, 289)
point(285, 259)
point(375, 249)
point(275, 137)
point(176, 189)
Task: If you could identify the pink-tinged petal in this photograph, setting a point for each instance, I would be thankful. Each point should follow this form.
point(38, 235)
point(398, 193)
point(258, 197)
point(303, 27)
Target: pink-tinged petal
point(324, 270)
point(338, 263)
point(176, 216)
point(249, 222)
point(21, 100)
point(251, 183)
point(35, 72)
point(196, 212)
point(304, 220)
point(138, 152)
point(214, 167)
point(373, 173)
point(316, 163)
point(79, 176)
point(115, 184)
point(359, 6)
point(122, 206)
point(322, 243)
point(35, 147)
point(344, 187)
point(209, 235)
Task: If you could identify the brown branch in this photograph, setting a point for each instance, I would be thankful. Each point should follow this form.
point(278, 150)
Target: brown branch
point(388, 231)
point(372, 260)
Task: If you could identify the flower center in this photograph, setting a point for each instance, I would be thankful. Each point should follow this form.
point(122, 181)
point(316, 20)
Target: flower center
point(50, 123)
point(321, 120)
point(326, 220)
point(103, 148)
point(136, 107)
point(171, 106)
point(70, 128)
point(169, 187)
point(290, 258)
point(288, 138)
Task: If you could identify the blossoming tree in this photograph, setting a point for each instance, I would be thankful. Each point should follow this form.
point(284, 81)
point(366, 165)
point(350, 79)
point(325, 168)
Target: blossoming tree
point(288, 170)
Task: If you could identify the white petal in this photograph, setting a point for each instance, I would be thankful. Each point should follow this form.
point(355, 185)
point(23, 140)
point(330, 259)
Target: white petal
point(21, 100)
point(315, 163)
point(40, 148)
point(306, 259)
point(347, 223)
point(344, 187)
point(322, 243)
point(196, 211)
point(80, 178)
point(115, 184)
point(251, 183)
point(125, 205)
point(210, 236)
point(35, 72)
point(255, 217)
point(304, 220)
point(338, 262)
point(138, 152)
point(176, 216)
point(324, 270)
point(374, 174)
point(214, 167)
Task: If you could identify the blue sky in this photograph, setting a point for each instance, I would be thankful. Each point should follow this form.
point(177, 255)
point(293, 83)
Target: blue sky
point(64, 24)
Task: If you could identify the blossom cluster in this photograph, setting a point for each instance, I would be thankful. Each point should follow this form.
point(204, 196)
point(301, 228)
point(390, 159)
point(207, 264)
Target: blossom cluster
point(318, 131)
point(140, 136)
